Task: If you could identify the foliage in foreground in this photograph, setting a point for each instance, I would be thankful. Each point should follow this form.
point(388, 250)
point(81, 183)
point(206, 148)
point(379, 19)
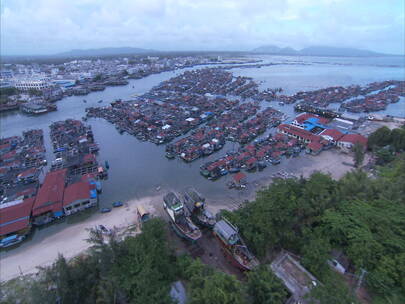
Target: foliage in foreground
point(207, 285)
point(264, 287)
point(138, 270)
point(362, 216)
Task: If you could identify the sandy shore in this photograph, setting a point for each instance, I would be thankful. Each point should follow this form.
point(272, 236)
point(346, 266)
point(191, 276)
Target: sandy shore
point(71, 240)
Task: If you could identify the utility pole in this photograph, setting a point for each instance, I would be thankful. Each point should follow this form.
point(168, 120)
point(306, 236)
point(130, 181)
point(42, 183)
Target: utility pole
point(360, 281)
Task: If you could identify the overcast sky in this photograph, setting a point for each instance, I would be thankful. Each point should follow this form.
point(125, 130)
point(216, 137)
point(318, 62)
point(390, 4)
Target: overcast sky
point(52, 26)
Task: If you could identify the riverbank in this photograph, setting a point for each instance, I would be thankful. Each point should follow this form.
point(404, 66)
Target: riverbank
point(71, 240)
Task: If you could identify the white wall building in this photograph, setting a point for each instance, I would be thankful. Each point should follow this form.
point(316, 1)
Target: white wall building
point(34, 84)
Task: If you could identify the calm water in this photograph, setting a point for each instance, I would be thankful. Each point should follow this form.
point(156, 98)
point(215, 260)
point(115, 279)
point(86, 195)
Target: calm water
point(138, 168)
point(308, 73)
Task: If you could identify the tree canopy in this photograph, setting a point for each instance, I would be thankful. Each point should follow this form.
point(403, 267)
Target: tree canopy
point(362, 216)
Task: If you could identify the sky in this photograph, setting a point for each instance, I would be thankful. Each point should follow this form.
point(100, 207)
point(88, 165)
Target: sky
point(51, 26)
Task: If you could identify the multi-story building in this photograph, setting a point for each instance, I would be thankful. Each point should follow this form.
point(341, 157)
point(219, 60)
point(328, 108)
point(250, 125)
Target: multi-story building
point(31, 84)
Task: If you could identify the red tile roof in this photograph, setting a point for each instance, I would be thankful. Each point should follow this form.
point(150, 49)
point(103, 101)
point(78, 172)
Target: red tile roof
point(50, 195)
point(89, 158)
point(315, 146)
point(27, 192)
point(238, 177)
point(299, 132)
point(354, 138)
point(16, 217)
point(335, 134)
point(251, 161)
point(75, 192)
point(5, 146)
point(304, 116)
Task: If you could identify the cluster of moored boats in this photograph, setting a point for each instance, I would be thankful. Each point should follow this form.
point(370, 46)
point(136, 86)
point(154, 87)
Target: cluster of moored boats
point(188, 213)
point(74, 148)
point(372, 97)
point(254, 156)
point(21, 160)
point(232, 126)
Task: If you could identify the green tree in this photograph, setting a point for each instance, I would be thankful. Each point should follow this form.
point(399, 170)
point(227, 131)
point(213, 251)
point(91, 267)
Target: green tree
point(384, 156)
point(358, 156)
point(264, 287)
point(145, 269)
point(333, 291)
point(209, 286)
point(34, 92)
point(379, 138)
point(398, 139)
point(8, 91)
point(315, 254)
point(98, 77)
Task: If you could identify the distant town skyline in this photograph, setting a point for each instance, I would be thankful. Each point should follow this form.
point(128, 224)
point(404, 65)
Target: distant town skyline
point(47, 27)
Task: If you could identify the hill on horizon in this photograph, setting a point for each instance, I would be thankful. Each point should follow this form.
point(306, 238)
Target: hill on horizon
point(317, 51)
point(104, 52)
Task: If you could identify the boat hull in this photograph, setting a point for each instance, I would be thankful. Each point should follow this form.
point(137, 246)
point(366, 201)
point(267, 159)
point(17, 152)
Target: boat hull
point(196, 219)
point(230, 256)
point(180, 232)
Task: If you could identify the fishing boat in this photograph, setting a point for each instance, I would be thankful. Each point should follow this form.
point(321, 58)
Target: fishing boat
point(100, 101)
point(179, 219)
point(170, 155)
point(195, 203)
point(233, 246)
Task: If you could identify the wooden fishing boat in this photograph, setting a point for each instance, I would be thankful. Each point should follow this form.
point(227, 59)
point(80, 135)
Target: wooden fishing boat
point(179, 219)
point(195, 203)
point(233, 246)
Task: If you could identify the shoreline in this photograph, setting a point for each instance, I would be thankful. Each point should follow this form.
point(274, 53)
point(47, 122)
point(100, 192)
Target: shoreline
point(71, 241)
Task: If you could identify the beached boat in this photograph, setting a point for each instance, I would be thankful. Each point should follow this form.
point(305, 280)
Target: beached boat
point(142, 214)
point(233, 246)
point(179, 219)
point(11, 240)
point(195, 203)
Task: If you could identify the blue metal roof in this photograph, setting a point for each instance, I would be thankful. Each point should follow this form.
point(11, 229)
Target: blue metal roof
point(93, 193)
point(313, 122)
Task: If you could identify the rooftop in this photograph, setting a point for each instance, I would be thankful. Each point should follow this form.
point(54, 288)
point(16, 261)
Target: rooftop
point(75, 192)
point(50, 195)
point(14, 217)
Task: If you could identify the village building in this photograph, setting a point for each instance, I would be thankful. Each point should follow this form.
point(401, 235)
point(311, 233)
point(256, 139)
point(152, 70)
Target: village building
point(347, 141)
point(15, 220)
point(31, 84)
point(79, 196)
point(48, 203)
point(331, 135)
point(319, 134)
point(295, 277)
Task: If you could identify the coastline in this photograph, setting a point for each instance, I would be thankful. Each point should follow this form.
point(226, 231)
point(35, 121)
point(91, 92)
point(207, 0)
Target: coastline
point(71, 241)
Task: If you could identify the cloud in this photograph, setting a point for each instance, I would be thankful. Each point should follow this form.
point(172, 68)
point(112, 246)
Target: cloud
point(49, 26)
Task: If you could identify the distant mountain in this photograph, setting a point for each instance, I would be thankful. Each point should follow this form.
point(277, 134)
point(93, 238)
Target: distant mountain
point(271, 49)
point(317, 51)
point(105, 52)
point(334, 51)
